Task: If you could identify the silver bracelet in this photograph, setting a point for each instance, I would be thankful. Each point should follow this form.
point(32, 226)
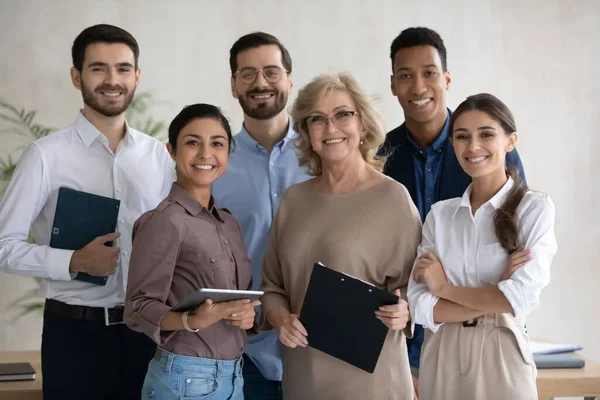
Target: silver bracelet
point(184, 318)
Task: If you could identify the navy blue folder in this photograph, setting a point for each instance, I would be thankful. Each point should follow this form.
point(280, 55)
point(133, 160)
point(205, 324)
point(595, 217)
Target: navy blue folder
point(80, 218)
point(339, 315)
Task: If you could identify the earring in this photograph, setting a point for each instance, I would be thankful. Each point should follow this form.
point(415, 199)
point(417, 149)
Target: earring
point(362, 140)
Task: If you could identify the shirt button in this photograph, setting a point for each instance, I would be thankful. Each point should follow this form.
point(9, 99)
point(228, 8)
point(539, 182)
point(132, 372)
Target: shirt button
point(225, 241)
point(429, 200)
point(439, 150)
point(212, 260)
point(121, 221)
point(274, 194)
point(428, 169)
point(231, 259)
point(188, 380)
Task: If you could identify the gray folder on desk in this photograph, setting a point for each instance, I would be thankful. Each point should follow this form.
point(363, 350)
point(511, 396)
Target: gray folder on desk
point(558, 361)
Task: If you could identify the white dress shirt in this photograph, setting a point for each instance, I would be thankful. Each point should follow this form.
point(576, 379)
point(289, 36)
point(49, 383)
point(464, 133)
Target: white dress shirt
point(469, 251)
point(139, 174)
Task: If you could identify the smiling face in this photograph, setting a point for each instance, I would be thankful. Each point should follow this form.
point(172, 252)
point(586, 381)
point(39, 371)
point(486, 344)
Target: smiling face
point(420, 83)
point(261, 98)
point(335, 128)
point(108, 78)
point(201, 154)
point(481, 144)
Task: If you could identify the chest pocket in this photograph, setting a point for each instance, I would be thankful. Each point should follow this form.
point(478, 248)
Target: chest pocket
point(220, 268)
point(491, 263)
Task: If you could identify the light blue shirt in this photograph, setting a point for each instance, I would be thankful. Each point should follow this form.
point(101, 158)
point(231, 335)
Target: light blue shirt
point(252, 189)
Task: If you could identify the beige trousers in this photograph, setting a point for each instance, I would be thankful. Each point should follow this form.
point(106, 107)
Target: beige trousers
point(487, 361)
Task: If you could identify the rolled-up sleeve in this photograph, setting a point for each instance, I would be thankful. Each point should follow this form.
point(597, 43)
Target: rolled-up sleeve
point(523, 288)
point(156, 246)
point(420, 300)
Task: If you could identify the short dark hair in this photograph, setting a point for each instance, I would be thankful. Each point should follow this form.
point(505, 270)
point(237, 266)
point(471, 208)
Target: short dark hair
point(419, 36)
point(195, 111)
point(102, 33)
point(254, 40)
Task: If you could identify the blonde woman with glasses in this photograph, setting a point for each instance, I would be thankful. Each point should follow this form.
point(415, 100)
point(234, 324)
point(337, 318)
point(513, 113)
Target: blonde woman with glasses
point(355, 220)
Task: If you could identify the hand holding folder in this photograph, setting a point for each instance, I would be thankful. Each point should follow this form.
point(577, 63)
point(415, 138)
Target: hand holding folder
point(291, 331)
point(97, 258)
point(86, 223)
point(394, 316)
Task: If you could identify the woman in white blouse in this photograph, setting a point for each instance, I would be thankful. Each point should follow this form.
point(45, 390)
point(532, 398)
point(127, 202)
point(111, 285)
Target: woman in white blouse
point(482, 263)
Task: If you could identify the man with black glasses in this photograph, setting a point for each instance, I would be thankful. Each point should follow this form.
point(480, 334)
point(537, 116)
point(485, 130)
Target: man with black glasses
point(261, 168)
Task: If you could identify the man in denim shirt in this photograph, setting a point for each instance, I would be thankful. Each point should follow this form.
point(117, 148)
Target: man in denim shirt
point(421, 156)
point(262, 166)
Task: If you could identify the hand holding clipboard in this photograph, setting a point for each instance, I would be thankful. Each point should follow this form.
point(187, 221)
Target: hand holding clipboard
point(394, 316)
point(340, 311)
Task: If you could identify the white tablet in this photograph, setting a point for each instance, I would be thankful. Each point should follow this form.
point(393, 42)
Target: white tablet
point(194, 299)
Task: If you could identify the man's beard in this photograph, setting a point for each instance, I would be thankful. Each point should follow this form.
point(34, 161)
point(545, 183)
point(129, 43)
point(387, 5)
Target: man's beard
point(264, 111)
point(91, 98)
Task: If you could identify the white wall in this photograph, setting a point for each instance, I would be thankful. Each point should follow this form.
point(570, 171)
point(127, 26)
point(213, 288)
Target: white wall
point(539, 56)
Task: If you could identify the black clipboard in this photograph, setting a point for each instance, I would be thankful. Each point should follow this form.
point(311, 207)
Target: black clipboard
point(339, 316)
point(80, 218)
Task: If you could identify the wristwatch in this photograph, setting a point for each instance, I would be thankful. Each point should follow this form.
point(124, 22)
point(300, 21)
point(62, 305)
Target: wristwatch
point(184, 318)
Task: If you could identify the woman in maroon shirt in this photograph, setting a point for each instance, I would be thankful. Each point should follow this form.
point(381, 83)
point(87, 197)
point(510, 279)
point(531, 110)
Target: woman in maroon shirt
point(186, 243)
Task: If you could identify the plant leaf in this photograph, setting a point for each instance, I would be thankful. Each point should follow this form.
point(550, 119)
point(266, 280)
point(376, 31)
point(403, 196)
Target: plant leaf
point(28, 119)
point(7, 168)
point(10, 119)
point(27, 296)
point(28, 309)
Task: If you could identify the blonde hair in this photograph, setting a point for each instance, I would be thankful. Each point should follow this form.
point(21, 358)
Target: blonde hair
point(371, 118)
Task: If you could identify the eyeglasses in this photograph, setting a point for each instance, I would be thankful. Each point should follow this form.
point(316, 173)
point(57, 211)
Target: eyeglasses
point(272, 74)
point(317, 123)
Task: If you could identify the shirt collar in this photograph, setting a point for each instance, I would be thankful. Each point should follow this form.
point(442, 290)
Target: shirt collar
point(496, 201)
point(89, 133)
point(439, 143)
point(185, 200)
point(244, 137)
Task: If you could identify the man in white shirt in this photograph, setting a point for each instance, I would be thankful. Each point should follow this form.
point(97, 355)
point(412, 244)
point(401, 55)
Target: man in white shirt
point(87, 352)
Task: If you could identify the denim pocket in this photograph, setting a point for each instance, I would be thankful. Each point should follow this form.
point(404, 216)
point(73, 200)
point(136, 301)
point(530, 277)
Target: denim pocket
point(199, 387)
point(147, 394)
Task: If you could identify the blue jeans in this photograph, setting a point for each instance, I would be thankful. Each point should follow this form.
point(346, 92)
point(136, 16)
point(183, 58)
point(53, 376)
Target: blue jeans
point(256, 387)
point(176, 377)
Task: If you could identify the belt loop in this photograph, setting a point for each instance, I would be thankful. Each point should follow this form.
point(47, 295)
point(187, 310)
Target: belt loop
point(241, 365)
point(169, 363)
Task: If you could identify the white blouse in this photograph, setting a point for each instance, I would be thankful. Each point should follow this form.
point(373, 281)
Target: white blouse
point(469, 251)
